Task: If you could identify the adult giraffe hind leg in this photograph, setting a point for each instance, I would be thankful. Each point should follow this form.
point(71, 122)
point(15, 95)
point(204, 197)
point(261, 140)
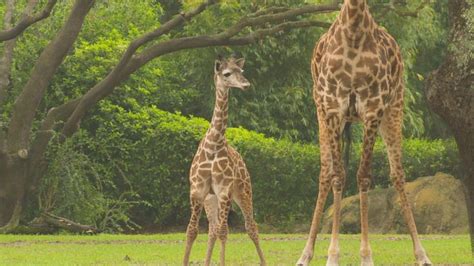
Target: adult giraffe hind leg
point(391, 132)
point(371, 124)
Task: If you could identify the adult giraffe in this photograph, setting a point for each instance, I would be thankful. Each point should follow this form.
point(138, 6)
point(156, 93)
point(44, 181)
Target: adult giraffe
point(357, 70)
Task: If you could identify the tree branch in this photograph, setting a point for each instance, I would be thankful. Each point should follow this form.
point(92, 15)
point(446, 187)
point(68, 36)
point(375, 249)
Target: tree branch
point(392, 7)
point(8, 49)
point(67, 224)
point(130, 61)
point(216, 40)
point(27, 21)
point(269, 10)
point(115, 76)
point(260, 34)
point(275, 17)
point(162, 30)
point(37, 164)
point(48, 62)
point(5, 69)
point(7, 56)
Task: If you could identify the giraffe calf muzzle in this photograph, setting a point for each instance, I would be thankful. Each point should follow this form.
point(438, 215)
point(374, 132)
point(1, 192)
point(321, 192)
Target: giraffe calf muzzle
point(245, 86)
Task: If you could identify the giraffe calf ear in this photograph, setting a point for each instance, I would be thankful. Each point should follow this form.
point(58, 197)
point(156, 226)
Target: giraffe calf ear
point(217, 66)
point(240, 62)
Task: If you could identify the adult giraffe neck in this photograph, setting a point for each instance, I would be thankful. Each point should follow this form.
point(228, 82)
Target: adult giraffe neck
point(355, 20)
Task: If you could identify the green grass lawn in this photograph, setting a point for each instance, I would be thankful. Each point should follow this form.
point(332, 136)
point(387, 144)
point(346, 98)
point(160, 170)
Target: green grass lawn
point(167, 249)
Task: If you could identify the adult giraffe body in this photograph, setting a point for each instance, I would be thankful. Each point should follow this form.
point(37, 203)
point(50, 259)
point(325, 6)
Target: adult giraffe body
point(357, 71)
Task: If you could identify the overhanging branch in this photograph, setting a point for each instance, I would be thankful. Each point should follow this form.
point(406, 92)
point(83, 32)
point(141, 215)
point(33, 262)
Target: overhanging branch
point(26, 104)
point(275, 15)
point(27, 21)
point(6, 58)
point(393, 6)
point(162, 30)
point(131, 61)
point(44, 136)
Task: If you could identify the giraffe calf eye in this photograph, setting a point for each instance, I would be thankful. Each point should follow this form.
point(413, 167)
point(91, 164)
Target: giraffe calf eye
point(227, 74)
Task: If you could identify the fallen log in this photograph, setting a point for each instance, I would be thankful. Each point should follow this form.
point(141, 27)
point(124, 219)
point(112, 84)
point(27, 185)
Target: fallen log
point(63, 223)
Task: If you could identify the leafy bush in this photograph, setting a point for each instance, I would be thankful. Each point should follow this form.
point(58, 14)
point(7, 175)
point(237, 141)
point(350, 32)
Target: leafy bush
point(153, 149)
point(79, 188)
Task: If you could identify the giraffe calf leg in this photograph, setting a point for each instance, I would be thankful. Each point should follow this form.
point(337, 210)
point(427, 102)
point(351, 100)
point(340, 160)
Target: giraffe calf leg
point(193, 227)
point(211, 207)
point(222, 230)
point(246, 205)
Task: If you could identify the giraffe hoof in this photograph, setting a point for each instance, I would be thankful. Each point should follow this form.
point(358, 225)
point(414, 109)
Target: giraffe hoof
point(425, 263)
point(333, 260)
point(423, 260)
point(366, 261)
point(304, 260)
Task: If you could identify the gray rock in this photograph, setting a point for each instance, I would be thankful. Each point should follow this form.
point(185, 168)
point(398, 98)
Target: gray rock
point(437, 201)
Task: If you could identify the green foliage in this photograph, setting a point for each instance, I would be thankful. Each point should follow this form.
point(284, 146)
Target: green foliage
point(462, 44)
point(279, 170)
point(154, 149)
point(79, 188)
point(107, 31)
point(129, 146)
point(419, 38)
point(280, 102)
point(420, 158)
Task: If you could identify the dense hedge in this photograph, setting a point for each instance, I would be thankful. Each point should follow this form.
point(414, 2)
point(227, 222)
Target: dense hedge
point(153, 149)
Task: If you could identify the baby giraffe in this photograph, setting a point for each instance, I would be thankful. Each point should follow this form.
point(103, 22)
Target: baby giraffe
point(218, 173)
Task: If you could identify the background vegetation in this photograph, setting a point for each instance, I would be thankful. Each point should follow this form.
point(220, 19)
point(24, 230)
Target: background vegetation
point(128, 165)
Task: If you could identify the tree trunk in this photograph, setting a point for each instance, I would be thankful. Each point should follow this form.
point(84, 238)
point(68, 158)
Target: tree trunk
point(450, 93)
point(12, 190)
point(18, 160)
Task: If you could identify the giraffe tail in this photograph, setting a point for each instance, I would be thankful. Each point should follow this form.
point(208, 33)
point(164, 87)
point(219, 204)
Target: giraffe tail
point(346, 144)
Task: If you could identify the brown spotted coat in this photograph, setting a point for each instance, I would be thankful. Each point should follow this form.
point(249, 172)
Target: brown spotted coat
point(218, 173)
point(357, 71)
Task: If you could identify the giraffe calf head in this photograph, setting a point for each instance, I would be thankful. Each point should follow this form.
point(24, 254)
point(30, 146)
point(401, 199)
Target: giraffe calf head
point(228, 73)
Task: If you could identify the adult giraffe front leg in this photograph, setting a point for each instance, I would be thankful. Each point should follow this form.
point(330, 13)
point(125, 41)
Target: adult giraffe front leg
point(334, 124)
point(324, 187)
